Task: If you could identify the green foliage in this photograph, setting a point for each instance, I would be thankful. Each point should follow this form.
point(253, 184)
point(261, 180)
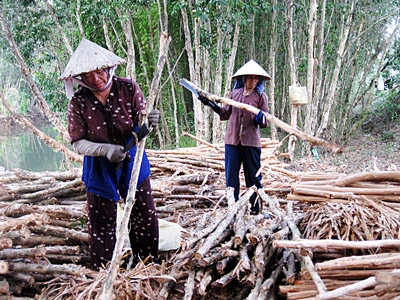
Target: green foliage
point(44, 52)
point(186, 142)
point(389, 107)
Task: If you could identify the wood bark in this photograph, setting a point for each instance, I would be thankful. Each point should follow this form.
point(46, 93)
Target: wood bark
point(272, 67)
point(311, 63)
point(209, 242)
point(34, 253)
point(70, 269)
point(367, 283)
point(130, 49)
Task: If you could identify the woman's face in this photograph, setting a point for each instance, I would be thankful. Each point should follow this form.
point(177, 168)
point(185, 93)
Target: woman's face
point(96, 79)
point(251, 82)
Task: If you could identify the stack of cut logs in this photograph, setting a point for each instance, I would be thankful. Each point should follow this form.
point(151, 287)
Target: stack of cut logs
point(352, 229)
point(226, 252)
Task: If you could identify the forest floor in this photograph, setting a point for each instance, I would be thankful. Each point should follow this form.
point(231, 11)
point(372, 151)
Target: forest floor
point(365, 150)
point(370, 150)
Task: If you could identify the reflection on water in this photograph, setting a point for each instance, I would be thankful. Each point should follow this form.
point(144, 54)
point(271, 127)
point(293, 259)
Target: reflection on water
point(28, 152)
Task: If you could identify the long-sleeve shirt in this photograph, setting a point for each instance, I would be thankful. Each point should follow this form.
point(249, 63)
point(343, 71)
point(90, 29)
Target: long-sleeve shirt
point(111, 123)
point(242, 127)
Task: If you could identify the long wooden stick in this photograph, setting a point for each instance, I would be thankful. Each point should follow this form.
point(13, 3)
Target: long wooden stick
point(300, 134)
point(335, 244)
point(107, 289)
point(184, 133)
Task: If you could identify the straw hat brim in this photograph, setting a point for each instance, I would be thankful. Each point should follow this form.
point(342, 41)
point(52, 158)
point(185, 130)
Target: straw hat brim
point(252, 68)
point(88, 57)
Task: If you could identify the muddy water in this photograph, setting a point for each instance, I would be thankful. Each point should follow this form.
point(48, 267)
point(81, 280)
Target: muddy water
point(26, 151)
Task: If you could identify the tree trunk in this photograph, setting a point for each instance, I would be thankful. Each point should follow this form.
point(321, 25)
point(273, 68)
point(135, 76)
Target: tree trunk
point(312, 107)
point(293, 77)
point(52, 143)
point(59, 27)
point(330, 99)
point(217, 88)
point(130, 49)
point(272, 68)
point(107, 34)
point(175, 108)
point(198, 114)
point(205, 68)
point(45, 109)
point(78, 18)
point(197, 105)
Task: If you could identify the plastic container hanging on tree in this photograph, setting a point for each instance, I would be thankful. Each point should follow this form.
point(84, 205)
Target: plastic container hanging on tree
point(298, 95)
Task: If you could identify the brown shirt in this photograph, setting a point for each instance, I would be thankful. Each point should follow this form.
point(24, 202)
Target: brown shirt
point(89, 119)
point(242, 127)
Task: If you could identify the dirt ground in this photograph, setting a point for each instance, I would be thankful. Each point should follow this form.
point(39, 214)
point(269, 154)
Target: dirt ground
point(365, 151)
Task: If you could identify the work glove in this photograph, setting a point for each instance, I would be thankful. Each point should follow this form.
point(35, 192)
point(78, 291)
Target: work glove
point(153, 118)
point(260, 118)
point(111, 151)
point(215, 107)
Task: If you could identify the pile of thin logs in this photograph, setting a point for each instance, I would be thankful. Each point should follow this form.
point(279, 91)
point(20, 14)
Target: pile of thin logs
point(371, 276)
point(42, 224)
point(381, 187)
point(351, 230)
point(43, 220)
point(228, 254)
point(187, 161)
point(293, 250)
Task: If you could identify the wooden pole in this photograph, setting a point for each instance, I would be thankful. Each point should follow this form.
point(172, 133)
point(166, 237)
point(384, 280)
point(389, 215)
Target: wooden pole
point(270, 118)
point(184, 133)
point(335, 244)
point(108, 285)
point(292, 138)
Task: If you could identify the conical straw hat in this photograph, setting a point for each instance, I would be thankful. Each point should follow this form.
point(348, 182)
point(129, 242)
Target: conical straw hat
point(252, 68)
point(89, 57)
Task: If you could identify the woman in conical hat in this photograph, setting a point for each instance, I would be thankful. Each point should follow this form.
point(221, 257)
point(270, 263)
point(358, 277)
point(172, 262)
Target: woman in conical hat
point(102, 114)
point(242, 138)
point(86, 58)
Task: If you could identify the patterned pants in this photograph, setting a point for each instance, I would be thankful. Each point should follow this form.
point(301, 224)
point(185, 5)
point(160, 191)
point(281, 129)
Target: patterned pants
point(102, 222)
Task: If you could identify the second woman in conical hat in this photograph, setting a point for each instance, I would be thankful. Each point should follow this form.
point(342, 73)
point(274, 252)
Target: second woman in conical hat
point(103, 113)
point(242, 138)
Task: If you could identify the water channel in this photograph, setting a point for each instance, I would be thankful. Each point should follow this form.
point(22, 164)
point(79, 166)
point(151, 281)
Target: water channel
point(26, 151)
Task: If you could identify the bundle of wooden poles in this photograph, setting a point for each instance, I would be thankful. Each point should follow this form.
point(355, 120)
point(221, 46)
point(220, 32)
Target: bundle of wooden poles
point(320, 235)
point(352, 230)
point(43, 215)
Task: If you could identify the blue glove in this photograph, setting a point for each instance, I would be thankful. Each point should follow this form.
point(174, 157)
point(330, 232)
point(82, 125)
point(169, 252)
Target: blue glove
point(204, 100)
point(260, 118)
point(215, 107)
